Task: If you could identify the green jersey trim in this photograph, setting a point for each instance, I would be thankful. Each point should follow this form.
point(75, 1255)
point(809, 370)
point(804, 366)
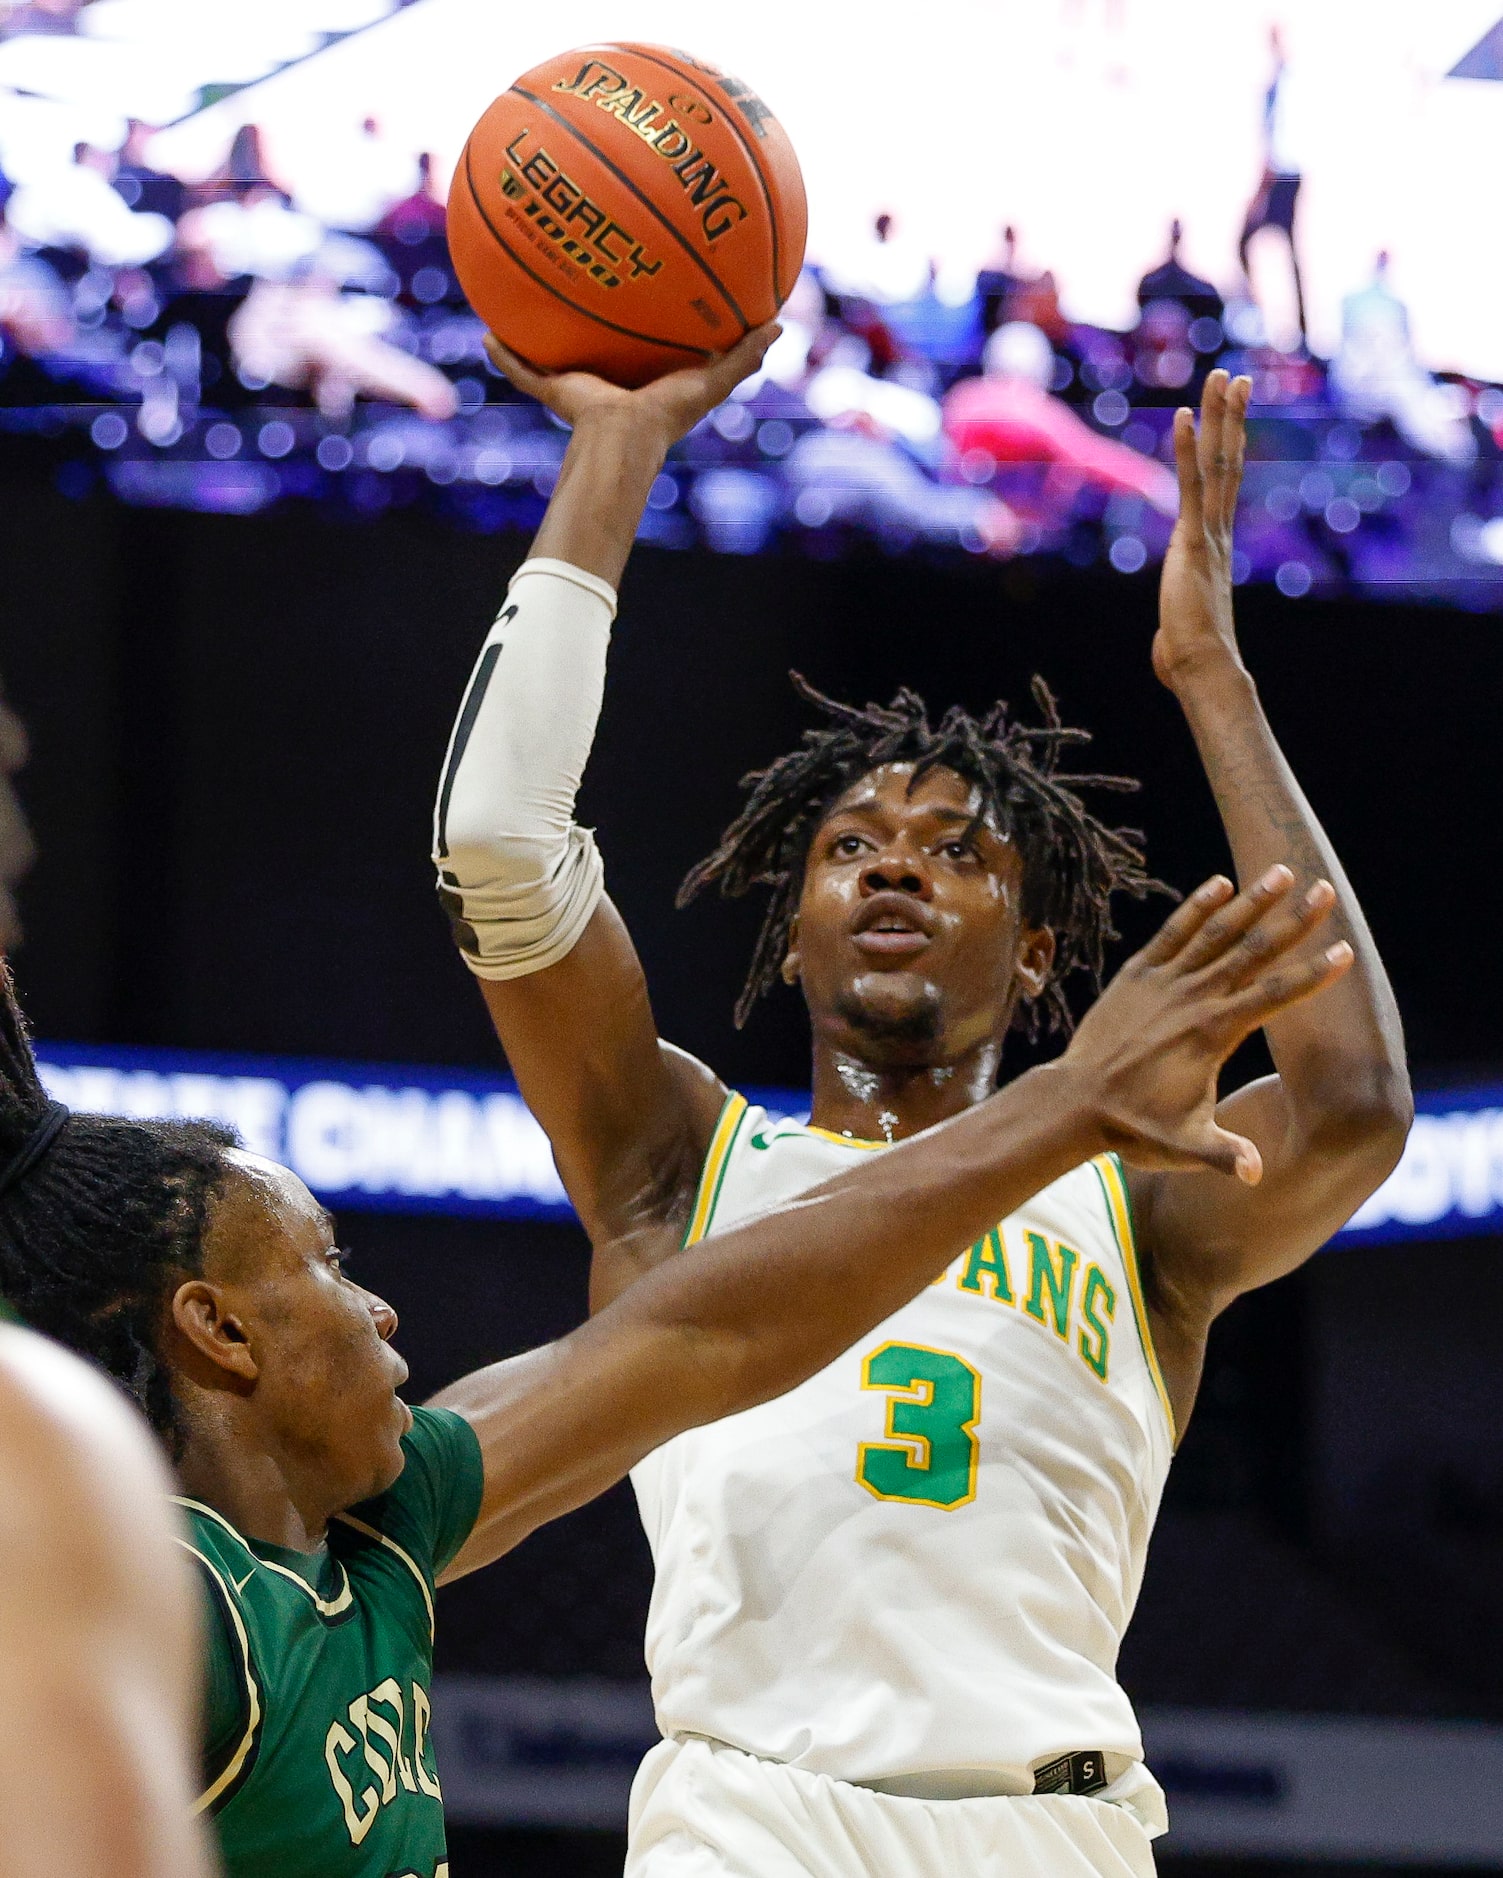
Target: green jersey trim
point(326, 1607)
point(241, 1759)
point(371, 1532)
point(717, 1160)
point(1109, 1172)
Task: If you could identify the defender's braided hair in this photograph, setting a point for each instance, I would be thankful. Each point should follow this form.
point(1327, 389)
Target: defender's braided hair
point(1072, 863)
point(99, 1231)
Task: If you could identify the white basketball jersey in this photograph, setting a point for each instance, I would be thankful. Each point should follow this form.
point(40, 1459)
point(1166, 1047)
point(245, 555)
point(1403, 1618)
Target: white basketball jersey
point(921, 1561)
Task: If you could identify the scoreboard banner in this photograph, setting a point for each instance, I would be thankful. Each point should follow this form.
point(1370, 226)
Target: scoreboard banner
point(386, 1138)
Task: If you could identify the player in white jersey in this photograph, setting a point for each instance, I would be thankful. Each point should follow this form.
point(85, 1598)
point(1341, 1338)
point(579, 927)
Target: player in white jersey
point(889, 1603)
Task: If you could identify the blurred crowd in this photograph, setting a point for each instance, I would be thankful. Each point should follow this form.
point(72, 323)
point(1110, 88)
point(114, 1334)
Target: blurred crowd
point(230, 342)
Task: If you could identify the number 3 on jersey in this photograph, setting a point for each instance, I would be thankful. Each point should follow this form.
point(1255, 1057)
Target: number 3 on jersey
point(933, 1406)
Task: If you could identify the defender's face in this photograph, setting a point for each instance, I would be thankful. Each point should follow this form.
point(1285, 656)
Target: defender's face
point(910, 943)
point(326, 1374)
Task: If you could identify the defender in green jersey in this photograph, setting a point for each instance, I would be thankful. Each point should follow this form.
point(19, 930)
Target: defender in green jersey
point(320, 1666)
point(325, 1511)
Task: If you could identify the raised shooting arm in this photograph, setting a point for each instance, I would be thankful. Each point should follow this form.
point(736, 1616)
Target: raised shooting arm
point(628, 1117)
point(1330, 1125)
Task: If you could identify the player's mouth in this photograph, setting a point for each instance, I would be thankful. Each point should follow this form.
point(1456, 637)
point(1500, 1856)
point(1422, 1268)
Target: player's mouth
point(399, 1369)
point(892, 926)
point(399, 1381)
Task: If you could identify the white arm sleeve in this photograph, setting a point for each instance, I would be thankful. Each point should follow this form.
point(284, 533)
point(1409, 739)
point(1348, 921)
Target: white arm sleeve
point(517, 877)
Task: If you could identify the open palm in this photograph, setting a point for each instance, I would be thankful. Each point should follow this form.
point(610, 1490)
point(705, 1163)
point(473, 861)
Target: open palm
point(1195, 589)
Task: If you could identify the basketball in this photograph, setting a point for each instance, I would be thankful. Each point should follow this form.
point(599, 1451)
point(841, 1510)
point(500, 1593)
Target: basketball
point(626, 210)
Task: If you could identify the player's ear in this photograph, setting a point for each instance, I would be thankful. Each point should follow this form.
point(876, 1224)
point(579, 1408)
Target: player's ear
point(792, 963)
point(1035, 960)
point(212, 1345)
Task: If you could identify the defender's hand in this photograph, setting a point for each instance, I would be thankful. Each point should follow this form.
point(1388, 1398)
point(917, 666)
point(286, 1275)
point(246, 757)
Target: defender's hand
point(663, 411)
point(1195, 589)
point(1150, 1050)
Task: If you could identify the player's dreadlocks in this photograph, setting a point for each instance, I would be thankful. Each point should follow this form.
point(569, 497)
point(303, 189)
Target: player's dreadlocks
point(103, 1225)
point(1072, 863)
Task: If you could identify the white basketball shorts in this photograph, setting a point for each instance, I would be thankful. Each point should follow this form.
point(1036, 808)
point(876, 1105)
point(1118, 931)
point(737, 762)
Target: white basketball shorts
point(702, 1810)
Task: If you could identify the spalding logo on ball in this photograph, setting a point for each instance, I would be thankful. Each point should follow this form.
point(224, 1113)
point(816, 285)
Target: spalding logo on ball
point(626, 210)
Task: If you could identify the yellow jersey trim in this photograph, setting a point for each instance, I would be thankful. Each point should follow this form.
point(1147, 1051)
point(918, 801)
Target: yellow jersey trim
point(717, 1160)
point(326, 1607)
point(844, 1141)
point(1108, 1170)
point(252, 1692)
point(371, 1532)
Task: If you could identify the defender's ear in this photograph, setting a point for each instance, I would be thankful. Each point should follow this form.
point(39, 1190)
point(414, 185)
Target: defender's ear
point(1035, 960)
point(217, 1348)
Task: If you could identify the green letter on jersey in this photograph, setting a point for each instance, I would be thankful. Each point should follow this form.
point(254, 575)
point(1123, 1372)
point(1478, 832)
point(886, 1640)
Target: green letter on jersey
point(986, 1269)
point(934, 1403)
point(1052, 1269)
point(1097, 1352)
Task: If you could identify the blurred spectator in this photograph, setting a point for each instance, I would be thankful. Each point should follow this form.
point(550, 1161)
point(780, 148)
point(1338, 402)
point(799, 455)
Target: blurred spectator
point(140, 186)
point(40, 16)
point(1375, 375)
point(411, 236)
point(808, 333)
point(1034, 301)
point(1179, 329)
point(998, 280)
point(1165, 358)
point(243, 169)
point(418, 216)
point(941, 326)
point(76, 207)
point(255, 232)
point(853, 474)
point(876, 460)
point(1277, 194)
point(36, 315)
point(1009, 416)
point(306, 335)
point(1172, 280)
point(841, 393)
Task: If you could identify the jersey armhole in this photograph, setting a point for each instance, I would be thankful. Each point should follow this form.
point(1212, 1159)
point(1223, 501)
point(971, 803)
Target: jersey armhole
point(1109, 1171)
point(717, 1160)
point(228, 1761)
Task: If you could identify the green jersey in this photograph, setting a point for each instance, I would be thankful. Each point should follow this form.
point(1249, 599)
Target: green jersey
point(318, 1760)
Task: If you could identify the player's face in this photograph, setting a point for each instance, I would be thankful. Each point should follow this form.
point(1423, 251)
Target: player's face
point(910, 942)
point(16, 851)
point(326, 1375)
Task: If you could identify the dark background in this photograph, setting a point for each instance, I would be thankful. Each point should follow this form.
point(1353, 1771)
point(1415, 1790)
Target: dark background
point(237, 729)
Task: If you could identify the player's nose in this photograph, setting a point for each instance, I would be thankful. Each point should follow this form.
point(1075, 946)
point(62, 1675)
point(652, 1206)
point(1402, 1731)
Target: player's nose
point(897, 872)
point(384, 1315)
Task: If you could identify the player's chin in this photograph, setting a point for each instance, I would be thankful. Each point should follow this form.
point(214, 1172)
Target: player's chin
point(894, 1015)
point(387, 1458)
point(387, 1467)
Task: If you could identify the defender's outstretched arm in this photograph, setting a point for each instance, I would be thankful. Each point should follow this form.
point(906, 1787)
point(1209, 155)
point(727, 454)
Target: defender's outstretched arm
point(1331, 1124)
point(629, 1118)
point(763, 1306)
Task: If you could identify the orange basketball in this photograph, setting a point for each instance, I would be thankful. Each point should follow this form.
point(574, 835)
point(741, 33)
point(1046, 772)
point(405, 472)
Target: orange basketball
point(626, 209)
